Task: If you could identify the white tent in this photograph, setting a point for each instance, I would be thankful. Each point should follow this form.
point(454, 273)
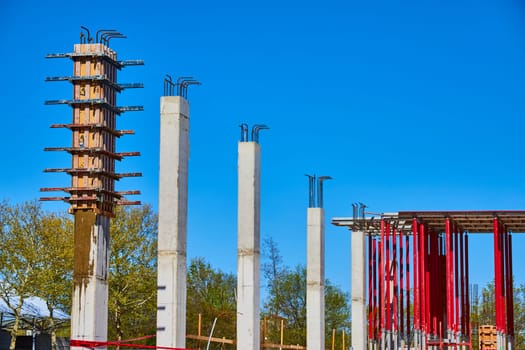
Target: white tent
point(33, 307)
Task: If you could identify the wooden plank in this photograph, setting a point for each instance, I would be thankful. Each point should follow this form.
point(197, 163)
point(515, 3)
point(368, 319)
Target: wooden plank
point(213, 339)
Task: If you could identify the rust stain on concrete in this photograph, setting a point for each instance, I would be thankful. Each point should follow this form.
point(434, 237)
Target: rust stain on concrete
point(84, 223)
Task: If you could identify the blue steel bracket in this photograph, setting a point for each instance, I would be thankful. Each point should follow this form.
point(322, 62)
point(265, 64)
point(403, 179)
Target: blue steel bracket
point(131, 63)
point(58, 79)
point(131, 85)
point(56, 102)
point(131, 108)
point(57, 55)
point(101, 78)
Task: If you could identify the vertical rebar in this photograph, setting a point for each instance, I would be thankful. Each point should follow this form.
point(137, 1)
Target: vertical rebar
point(320, 181)
point(311, 190)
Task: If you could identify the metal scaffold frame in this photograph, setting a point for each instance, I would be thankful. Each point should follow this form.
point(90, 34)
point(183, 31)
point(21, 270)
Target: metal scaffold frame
point(93, 126)
point(429, 250)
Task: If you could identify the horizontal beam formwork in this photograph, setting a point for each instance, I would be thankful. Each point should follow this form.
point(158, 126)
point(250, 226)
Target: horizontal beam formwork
point(470, 221)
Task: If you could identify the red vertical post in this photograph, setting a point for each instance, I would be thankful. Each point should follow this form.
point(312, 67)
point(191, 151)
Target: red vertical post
point(370, 287)
point(415, 248)
point(443, 283)
point(439, 284)
point(511, 299)
point(407, 259)
point(508, 281)
point(467, 281)
point(503, 235)
point(497, 274)
point(402, 277)
point(394, 270)
point(428, 284)
point(423, 287)
point(435, 281)
point(456, 279)
point(502, 274)
point(388, 279)
point(374, 284)
point(448, 239)
point(462, 281)
point(381, 281)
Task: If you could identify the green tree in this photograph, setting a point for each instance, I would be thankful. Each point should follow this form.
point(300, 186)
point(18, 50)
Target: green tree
point(53, 282)
point(210, 293)
point(273, 270)
point(486, 312)
point(20, 245)
point(286, 300)
point(290, 300)
point(132, 273)
point(337, 314)
point(519, 317)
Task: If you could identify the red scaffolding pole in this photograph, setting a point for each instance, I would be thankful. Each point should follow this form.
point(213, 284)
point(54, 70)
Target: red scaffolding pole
point(510, 301)
point(456, 280)
point(462, 282)
point(394, 270)
point(448, 238)
point(509, 330)
point(415, 264)
point(376, 294)
point(381, 281)
point(443, 284)
point(370, 289)
point(468, 288)
point(434, 283)
point(402, 277)
point(388, 280)
point(423, 287)
point(497, 275)
point(426, 276)
point(407, 245)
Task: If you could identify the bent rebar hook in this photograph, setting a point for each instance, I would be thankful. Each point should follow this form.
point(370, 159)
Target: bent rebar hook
point(255, 131)
point(102, 31)
point(168, 85)
point(362, 210)
point(244, 132)
point(185, 84)
point(320, 181)
point(88, 37)
point(106, 37)
point(179, 84)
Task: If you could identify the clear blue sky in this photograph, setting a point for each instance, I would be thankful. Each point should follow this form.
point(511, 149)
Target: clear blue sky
point(409, 105)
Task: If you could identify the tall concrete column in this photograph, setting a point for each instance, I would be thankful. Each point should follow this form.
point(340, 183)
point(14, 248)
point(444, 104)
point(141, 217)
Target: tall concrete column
point(89, 312)
point(248, 251)
point(315, 308)
point(359, 331)
point(173, 203)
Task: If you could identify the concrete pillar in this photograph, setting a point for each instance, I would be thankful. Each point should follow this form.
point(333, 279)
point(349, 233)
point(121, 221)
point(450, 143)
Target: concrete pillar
point(173, 204)
point(89, 312)
point(315, 255)
point(359, 331)
point(248, 247)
